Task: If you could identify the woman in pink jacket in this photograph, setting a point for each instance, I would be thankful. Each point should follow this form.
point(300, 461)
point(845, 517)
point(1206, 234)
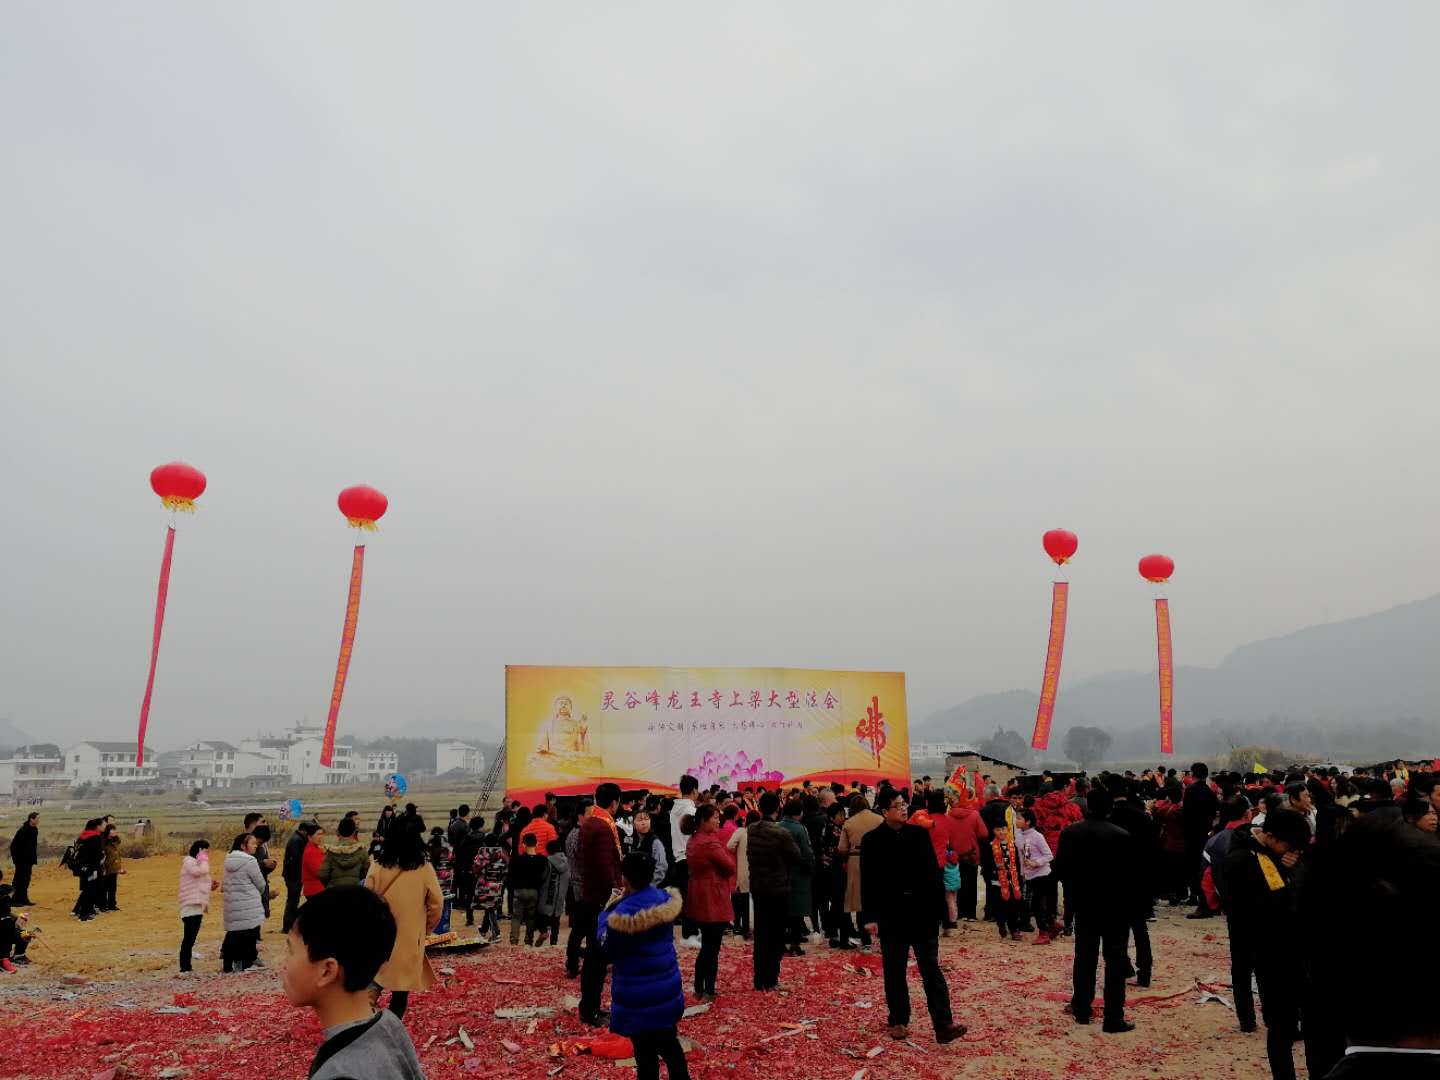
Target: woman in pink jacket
point(196, 885)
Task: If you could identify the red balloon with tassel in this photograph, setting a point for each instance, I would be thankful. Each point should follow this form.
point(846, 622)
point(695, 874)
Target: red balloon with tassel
point(178, 486)
point(1157, 570)
point(363, 508)
point(1060, 545)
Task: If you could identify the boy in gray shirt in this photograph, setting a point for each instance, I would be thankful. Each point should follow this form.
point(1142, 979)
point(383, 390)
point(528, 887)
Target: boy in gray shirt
point(338, 941)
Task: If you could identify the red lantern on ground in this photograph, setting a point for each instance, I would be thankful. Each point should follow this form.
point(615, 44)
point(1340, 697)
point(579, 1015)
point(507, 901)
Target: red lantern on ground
point(1060, 545)
point(178, 485)
point(363, 506)
point(1157, 568)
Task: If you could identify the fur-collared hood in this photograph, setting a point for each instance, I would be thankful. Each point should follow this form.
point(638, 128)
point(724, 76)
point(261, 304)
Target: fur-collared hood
point(638, 912)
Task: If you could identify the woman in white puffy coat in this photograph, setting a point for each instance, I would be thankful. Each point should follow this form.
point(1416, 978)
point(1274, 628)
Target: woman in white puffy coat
point(244, 908)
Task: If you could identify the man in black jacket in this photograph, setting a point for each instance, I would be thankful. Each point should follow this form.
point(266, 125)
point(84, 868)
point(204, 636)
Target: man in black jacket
point(1198, 808)
point(1129, 813)
point(23, 853)
point(770, 851)
point(290, 870)
point(1260, 901)
point(903, 895)
point(1100, 884)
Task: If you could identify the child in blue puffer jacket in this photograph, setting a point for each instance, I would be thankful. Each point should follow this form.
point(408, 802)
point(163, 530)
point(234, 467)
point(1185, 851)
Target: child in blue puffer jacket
point(647, 997)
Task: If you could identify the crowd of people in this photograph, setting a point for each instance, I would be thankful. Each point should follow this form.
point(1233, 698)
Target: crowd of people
point(1298, 864)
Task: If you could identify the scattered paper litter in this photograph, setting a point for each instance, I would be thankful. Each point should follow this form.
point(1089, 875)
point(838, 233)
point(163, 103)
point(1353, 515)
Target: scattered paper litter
point(874, 1051)
point(525, 1012)
point(695, 1010)
point(465, 1040)
point(511, 1046)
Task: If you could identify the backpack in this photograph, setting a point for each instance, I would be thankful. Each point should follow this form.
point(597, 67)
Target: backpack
point(71, 860)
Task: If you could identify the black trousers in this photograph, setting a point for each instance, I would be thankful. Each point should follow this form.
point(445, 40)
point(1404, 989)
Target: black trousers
point(771, 915)
point(187, 941)
point(650, 1047)
point(399, 1002)
point(292, 905)
point(707, 964)
point(1242, 970)
point(238, 950)
point(1144, 958)
point(682, 883)
point(108, 885)
point(581, 916)
point(1281, 986)
point(895, 949)
point(89, 892)
point(22, 883)
point(969, 886)
point(1094, 931)
point(1043, 901)
point(740, 905)
point(1007, 913)
point(586, 919)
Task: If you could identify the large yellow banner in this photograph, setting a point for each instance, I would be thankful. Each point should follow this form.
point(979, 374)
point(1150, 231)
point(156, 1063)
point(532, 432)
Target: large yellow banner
point(570, 728)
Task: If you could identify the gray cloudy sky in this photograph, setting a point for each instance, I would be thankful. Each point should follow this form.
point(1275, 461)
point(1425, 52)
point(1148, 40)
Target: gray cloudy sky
point(700, 334)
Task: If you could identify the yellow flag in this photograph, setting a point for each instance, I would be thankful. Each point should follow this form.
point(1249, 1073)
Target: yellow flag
point(1260, 768)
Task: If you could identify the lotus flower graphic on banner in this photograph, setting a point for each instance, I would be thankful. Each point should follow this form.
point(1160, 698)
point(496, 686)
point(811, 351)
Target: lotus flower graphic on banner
point(737, 768)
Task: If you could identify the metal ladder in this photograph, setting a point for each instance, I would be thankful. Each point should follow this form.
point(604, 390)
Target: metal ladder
point(493, 777)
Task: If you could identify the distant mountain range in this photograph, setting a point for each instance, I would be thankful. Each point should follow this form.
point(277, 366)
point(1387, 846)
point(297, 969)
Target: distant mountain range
point(1362, 689)
point(11, 736)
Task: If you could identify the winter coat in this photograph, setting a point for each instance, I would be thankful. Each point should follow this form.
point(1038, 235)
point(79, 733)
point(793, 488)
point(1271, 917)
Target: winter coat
point(712, 879)
point(951, 873)
point(599, 861)
point(1259, 898)
point(856, 828)
point(244, 885)
point(738, 846)
point(1099, 869)
point(554, 886)
point(88, 853)
point(771, 851)
point(311, 860)
point(1034, 854)
point(1054, 813)
point(111, 858)
point(967, 832)
point(413, 897)
point(543, 831)
point(802, 871)
point(195, 881)
point(294, 854)
point(941, 837)
point(1170, 817)
point(902, 888)
point(346, 863)
point(635, 933)
point(1197, 810)
point(25, 846)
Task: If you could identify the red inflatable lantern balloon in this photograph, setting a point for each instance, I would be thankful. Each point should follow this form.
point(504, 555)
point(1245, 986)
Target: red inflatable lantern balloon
point(178, 485)
point(1157, 568)
point(363, 506)
point(1061, 545)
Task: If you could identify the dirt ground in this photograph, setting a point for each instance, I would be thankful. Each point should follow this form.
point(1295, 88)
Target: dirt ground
point(104, 993)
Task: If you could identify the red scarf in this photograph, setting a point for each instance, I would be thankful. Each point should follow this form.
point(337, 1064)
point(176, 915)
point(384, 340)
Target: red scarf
point(1005, 868)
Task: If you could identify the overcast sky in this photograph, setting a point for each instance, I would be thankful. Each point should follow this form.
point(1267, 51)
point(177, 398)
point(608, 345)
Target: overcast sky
point(686, 334)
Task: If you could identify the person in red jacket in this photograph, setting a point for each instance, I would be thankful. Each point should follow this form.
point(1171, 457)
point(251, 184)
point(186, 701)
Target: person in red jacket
point(712, 880)
point(311, 860)
point(967, 831)
point(1168, 814)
